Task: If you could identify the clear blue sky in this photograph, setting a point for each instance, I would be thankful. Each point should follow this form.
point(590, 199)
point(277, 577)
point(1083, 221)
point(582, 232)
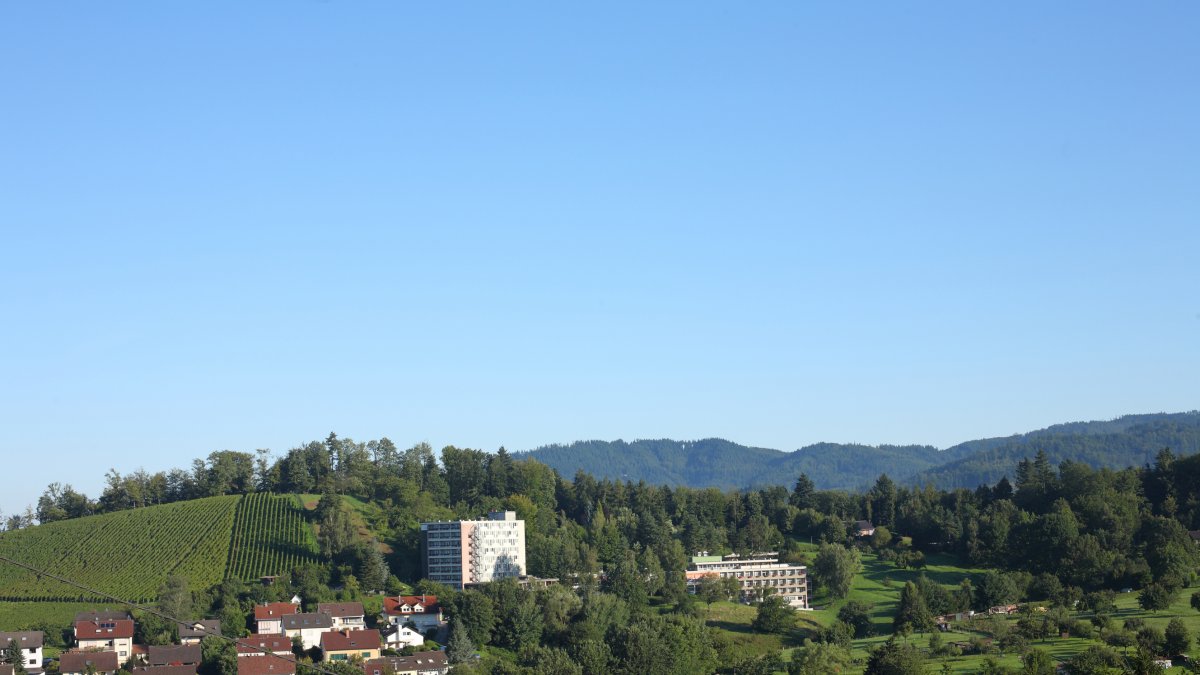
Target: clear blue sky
point(244, 225)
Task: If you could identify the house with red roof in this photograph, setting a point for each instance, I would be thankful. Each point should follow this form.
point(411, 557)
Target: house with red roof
point(423, 611)
point(344, 644)
point(106, 635)
point(261, 645)
point(267, 665)
point(268, 618)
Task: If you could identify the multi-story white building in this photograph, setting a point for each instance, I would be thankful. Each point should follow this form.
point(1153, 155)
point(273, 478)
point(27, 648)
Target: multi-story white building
point(754, 573)
point(474, 551)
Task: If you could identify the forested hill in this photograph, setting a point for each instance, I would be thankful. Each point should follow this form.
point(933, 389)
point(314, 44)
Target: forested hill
point(1133, 445)
point(714, 462)
point(1131, 440)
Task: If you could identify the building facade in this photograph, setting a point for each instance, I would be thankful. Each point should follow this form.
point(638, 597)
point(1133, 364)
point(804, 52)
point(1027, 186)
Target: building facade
point(474, 551)
point(757, 574)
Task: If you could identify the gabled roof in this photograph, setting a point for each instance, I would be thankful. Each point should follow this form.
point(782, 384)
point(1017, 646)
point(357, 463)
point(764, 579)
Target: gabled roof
point(173, 655)
point(345, 640)
point(28, 639)
point(165, 670)
point(252, 644)
point(77, 662)
point(188, 630)
point(307, 620)
point(341, 609)
point(402, 664)
point(104, 629)
point(103, 614)
point(428, 603)
point(266, 665)
point(274, 610)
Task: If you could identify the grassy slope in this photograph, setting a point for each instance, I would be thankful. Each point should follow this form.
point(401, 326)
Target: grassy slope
point(734, 620)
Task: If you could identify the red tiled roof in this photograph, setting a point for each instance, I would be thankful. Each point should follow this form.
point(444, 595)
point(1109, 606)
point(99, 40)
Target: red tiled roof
point(252, 644)
point(266, 665)
point(340, 641)
point(104, 629)
point(274, 610)
point(77, 662)
point(429, 602)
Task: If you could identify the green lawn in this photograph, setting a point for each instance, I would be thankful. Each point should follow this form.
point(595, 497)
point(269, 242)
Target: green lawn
point(870, 587)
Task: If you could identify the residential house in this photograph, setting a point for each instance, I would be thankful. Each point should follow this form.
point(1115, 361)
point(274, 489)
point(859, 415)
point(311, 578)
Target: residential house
point(30, 643)
point(165, 670)
point(261, 645)
point(268, 618)
point(267, 665)
point(173, 655)
point(422, 610)
point(106, 635)
point(421, 663)
point(346, 615)
point(78, 663)
point(104, 615)
point(192, 633)
point(344, 644)
point(863, 528)
point(399, 637)
point(308, 627)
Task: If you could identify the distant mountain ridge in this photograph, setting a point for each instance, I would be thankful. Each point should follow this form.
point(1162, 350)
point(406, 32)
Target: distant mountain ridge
point(1130, 440)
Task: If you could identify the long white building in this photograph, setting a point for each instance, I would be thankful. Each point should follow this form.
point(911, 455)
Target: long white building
point(755, 572)
point(474, 551)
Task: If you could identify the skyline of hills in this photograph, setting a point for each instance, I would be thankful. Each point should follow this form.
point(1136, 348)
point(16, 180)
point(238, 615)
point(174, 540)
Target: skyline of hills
point(1129, 440)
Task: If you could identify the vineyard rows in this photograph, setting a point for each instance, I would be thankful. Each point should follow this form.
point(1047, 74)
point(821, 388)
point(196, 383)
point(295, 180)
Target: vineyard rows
point(128, 554)
point(270, 537)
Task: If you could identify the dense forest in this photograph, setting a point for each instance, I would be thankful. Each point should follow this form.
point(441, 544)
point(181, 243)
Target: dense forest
point(1131, 440)
point(1069, 534)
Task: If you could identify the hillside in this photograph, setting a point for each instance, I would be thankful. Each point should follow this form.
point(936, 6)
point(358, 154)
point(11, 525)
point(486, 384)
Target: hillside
point(131, 553)
point(714, 462)
point(1131, 440)
point(1134, 445)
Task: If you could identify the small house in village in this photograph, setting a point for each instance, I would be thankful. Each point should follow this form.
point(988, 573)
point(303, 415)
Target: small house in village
point(344, 644)
point(346, 615)
point(192, 633)
point(81, 663)
point(30, 644)
point(262, 645)
point(399, 637)
point(422, 611)
point(421, 663)
point(104, 634)
point(173, 655)
point(268, 618)
point(308, 627)
point(267, 665)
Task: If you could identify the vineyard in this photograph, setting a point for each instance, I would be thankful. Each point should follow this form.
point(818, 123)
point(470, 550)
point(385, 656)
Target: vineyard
point(128, 554)
point(270, 536)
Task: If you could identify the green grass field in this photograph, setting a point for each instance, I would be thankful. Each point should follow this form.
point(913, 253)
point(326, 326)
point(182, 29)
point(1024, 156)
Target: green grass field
point(870, 587)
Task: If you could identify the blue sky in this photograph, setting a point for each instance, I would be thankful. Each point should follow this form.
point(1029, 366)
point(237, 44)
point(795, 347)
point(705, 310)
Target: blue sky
point(240, 226)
